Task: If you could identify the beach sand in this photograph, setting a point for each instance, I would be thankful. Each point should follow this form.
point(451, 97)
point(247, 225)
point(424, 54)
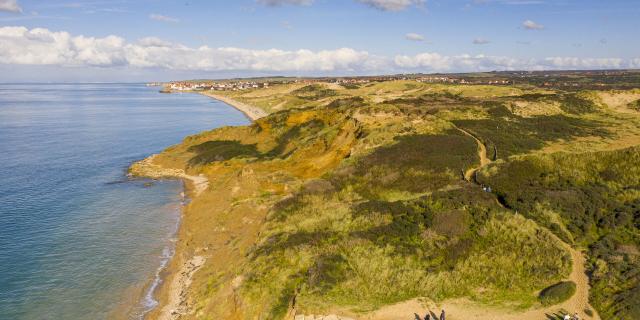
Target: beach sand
point(176, 279)
point(251, 112)
point(174, 303)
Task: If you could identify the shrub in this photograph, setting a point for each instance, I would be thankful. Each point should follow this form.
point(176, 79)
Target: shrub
point(511, 135)
point(428, 162)
point(350, 86)
point(347, 102)
point(584, 189)
point(572, 103)
point(557, 293)
point(221, 150)
point(313, 92)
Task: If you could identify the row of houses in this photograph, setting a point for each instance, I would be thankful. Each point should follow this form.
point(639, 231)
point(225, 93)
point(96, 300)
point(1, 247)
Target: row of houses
point(218, 86)
point(441, 79)
point(231, 85)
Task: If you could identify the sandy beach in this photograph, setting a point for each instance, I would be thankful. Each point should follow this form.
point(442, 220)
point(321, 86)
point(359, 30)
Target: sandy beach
point(177, 277)
point(251, 112)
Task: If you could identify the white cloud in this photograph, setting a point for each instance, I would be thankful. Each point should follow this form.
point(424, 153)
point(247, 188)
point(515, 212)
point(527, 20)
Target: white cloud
point(23, 46)
point(153, 42)
point(480, 41)
point(43, 47)
point(392, 5)
point(436, 62)
point(414, 37)
point(530, 25)
point(10, 6)
point(430, 62)
point(163, 18)
point(581, 63)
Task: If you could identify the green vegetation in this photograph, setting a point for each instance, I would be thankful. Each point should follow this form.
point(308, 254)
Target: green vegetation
point(510, 134)
point(591, 199)
point(557, 293)
point(313, 92)
point(376, 252)
point(429, 162)
point(353, 197)
point(575, 104)
point(221, 150)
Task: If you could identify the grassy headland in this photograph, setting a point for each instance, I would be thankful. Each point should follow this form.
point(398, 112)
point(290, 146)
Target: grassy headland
point(349, 198)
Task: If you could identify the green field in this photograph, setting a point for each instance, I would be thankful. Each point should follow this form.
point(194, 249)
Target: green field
point(364, 202)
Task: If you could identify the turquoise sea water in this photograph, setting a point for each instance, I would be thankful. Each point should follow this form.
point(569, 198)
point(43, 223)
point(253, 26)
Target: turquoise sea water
point(77, 238)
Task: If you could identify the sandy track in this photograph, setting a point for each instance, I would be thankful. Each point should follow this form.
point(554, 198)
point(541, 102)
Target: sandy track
point(482, 154)
point(463, 309)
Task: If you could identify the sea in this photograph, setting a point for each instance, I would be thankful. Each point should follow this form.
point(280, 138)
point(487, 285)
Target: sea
point(78, 238)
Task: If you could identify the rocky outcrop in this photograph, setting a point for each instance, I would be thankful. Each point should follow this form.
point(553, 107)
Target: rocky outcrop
point(146, 168)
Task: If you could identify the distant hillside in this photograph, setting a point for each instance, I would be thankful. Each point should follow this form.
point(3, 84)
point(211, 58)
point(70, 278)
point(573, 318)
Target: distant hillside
point(347, 199)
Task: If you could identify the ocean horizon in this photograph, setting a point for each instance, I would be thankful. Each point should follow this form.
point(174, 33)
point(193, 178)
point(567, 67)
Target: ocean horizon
point(78, 238)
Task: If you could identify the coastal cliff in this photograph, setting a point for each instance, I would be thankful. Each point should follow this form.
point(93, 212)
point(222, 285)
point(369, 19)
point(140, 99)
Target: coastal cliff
point(353, 202)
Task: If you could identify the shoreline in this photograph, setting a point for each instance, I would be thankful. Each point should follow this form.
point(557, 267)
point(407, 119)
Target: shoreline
point(152, 299)
point(171, 283)
point(251, 112)
point(148, 300)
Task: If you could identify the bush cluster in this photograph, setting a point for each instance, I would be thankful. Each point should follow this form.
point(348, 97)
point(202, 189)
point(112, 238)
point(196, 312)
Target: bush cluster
point(557, 293)
point(595, 195)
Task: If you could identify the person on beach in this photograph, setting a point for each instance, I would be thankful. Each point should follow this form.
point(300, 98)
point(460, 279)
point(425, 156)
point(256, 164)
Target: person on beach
point(427, 316)
point(575, 316)
point(442, 315)
point(566, 317)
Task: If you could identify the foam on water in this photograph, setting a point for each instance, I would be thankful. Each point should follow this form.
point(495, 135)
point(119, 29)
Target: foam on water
point(149, 301)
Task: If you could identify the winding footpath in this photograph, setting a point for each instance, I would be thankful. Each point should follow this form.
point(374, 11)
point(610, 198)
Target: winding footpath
point(482, 154)
point(462, 309)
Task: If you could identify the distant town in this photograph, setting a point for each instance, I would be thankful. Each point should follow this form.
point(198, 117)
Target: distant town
point(567, 80)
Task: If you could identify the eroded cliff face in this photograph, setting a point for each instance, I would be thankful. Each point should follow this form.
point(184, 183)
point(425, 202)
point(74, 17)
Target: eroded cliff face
point(357, 199)
point(237, 174)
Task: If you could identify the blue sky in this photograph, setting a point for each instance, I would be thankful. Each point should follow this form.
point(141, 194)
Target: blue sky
point(52, 41)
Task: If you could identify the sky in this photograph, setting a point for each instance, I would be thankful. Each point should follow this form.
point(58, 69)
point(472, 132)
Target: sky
point(157, 40)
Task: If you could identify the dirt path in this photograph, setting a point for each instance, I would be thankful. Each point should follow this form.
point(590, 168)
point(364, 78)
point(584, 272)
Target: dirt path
point(463, 309)
point(482, 154)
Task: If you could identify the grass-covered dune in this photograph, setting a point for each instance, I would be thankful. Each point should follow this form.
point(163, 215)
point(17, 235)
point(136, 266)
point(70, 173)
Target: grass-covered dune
point(589, 199)
point(347, 199)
